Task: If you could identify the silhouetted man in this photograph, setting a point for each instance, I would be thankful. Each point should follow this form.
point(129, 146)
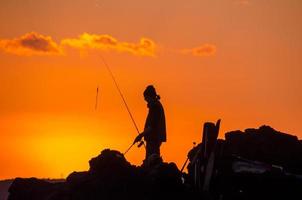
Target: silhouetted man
point(155, 127)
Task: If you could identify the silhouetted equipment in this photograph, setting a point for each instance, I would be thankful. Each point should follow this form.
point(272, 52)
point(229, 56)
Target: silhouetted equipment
point(211, 134)
point(96, 98)
point(120, 92)
point(203, 159)
point(122, 96)
point(128, 149)
point(183, 166)
point(139, 145)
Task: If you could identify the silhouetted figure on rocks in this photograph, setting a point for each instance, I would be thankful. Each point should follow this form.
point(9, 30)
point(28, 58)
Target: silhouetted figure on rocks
point(155, 127)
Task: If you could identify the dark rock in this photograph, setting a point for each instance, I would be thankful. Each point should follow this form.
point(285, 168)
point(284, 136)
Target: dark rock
point(110, 176)
point(31, 189)
point(266, 145)
point(108, 160)
point(276, 152)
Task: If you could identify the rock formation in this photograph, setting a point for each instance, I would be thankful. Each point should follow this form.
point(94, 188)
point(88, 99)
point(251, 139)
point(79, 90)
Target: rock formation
point(110, 176)
point(254, 164)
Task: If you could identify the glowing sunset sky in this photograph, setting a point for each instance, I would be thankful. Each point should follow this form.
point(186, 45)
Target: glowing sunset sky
point(238, 60)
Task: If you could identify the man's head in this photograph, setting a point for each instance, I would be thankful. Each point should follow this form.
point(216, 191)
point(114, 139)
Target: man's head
point(150, 94)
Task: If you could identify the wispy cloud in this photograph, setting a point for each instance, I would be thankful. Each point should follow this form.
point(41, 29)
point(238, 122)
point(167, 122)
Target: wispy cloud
point(201, 51)
point(31, 44)
point(145, 47)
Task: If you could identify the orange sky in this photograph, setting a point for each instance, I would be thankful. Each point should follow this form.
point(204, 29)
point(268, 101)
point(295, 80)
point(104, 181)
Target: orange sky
point(238, 60)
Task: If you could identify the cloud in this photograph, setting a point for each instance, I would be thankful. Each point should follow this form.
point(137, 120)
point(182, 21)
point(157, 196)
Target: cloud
point(145, 47)
point(31, 44)
point(204, 50)
point(37, 44)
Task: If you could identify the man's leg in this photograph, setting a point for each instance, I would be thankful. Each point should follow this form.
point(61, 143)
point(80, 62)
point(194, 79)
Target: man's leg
point(156, 148)
point(148, 150)
point(152, 148)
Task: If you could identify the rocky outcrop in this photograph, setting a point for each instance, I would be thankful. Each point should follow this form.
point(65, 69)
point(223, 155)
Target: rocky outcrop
point(32, 188)
point(265, 145)
point(255, 164)
point(110, 176)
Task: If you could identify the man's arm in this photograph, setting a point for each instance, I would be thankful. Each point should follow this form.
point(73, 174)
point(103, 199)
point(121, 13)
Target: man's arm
point(142, 134)
point(154, 115)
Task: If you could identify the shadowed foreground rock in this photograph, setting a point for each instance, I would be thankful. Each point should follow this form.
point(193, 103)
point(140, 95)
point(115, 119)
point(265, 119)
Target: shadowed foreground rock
point(266, 145)
point(252, 165)
point(110, 176)
point(255, 164)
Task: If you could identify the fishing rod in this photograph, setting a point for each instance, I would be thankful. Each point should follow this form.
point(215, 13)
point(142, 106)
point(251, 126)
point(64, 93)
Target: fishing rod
point(185, 163)
point(125, 103)
point(96, 98)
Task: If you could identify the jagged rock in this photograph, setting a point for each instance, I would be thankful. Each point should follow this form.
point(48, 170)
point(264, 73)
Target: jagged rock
point(266, 145)
point(271, 161)
point(32, 189)
point(110, 176)
point(109, 160)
